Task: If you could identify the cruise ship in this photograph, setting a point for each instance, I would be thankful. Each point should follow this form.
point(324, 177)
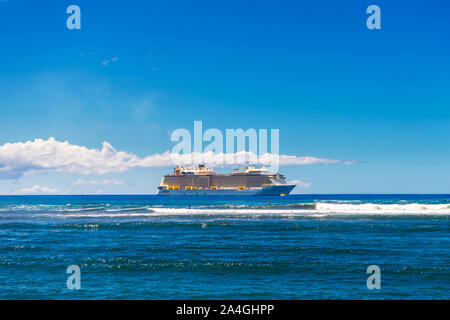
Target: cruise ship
point(202, 181)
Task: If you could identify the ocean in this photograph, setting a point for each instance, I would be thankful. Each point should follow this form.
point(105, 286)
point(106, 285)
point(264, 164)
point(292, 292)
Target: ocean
point(294, 247)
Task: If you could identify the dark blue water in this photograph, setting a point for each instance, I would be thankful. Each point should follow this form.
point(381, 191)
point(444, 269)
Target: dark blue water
point(296, 247)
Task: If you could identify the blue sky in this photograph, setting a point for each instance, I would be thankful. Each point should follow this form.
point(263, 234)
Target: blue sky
point(138, 70)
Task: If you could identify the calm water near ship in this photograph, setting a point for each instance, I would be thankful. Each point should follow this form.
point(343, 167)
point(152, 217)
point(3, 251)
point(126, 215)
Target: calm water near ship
point(296, 247)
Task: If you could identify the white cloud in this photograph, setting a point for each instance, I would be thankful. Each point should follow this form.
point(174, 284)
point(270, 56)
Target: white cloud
point(17, 159)
point(141, 110)
point(35, 190)
point(98, 182)
point(41, 190)
point(300, 183)
point(106, 62)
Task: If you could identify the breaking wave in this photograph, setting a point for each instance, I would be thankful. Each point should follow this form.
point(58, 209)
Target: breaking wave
point(313, 210)
point(318, 209)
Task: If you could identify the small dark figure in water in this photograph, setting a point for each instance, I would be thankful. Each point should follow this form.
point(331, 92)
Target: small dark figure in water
point(189, 206)
point(268, 202)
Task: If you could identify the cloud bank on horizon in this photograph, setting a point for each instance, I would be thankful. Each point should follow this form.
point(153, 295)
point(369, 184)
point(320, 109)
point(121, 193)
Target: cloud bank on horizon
point(21, 158)
point(36, 190)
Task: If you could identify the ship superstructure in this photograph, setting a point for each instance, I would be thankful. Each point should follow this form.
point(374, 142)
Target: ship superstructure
point(204, 181)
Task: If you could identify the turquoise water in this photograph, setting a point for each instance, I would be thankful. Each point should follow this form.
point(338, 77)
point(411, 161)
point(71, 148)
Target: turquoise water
point(296, 247)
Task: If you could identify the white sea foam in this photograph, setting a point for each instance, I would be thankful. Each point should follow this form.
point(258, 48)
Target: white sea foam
point(127, 209)
point(82, 209)
point(390, 209)
point(93, 215)
point(321, 209)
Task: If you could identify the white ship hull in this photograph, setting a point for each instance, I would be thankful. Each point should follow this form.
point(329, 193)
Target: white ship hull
point(274, 190)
